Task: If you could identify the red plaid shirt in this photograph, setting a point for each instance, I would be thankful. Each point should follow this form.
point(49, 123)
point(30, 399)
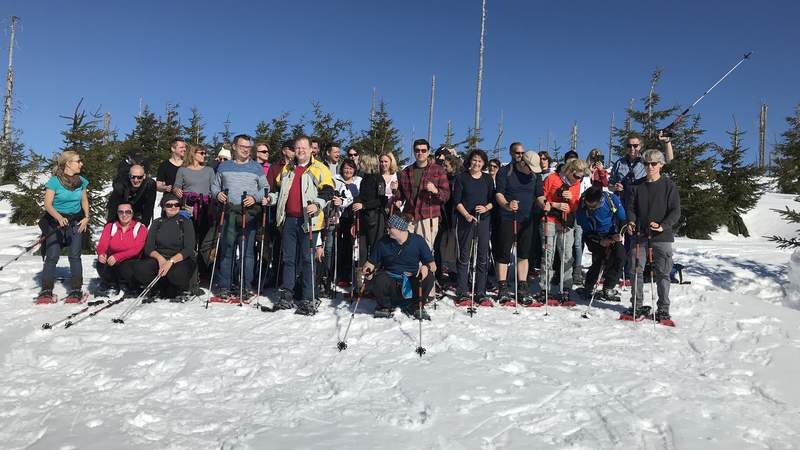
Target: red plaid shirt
point(426, 205)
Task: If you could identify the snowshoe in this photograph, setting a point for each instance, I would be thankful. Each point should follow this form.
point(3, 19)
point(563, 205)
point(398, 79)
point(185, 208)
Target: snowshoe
point(76, 296)
point(642, 313)
point(417, 314)
point(463, 301)
point(507, 301)
point(530, 301)
point(664, 318)
point(221, 296)
point(383, 313)
point(486, 302)
point(45, 297)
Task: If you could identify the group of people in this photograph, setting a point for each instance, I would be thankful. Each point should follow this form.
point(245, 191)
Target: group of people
point(317, 219)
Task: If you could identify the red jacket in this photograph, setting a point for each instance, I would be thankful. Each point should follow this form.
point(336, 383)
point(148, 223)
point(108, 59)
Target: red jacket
point(123, 245)
point(553, 185)
point(426, 205)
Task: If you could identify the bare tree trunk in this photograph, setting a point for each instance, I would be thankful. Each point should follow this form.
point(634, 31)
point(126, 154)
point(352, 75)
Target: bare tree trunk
point(611, 137)
point(430, 108)
point(106, 127)
point(628, 119)
point(573, 138)
point(6, 138)
point(499, 142)
point(477, 128)
point(762, 136)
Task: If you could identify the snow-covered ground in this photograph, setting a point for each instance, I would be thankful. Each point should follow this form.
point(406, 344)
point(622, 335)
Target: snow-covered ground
point(182, 377)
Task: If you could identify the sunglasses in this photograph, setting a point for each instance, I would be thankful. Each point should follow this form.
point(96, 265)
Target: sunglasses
point(651, 163)
point(263, 152)
point(578, 176)
point(519, 153)
point(420, 150)
point(137, 177)
point(352, 155)
point(634, 145)
point(171, 205)
point(200, 153)
point(125, 212)
point(79, 161)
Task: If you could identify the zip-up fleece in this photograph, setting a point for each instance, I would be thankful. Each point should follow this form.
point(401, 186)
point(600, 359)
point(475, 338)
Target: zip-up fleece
point(123, 245)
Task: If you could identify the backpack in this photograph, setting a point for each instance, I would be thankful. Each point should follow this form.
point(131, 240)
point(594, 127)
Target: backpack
point(136, 228)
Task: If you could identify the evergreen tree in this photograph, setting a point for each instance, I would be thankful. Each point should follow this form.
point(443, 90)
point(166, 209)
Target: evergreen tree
point(85, 137)
point(327, 129)
point(145, 137)
point(381, 137)
point(27, 200)
point(692, 169)
point(15, 154)
point(791, 216)
point(786, 157)
point(275, 133)
point(739, 182)
point(193, 130)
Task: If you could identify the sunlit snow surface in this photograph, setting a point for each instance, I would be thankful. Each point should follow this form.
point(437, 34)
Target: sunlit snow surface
point(183, 377)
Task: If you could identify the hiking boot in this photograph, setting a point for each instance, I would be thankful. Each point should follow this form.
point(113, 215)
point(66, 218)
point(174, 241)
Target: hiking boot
point(383, 313)
point(74, 296)
point(662, 315)
point(640, 311)
point(305, 309)
point(285, 301)
point(577, 277)
point(610, 295)
point(416, 313)
point(485, 301)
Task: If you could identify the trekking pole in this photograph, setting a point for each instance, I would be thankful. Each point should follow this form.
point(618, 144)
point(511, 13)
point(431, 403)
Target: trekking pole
point(242, 249)
point(356, 257)
point(514, 248)
point(93, 313)
point(311, 250)
point(475, 230)
point(635, 278)
point(342, 345)
point(30, 247)
point(547, 262)
point(261, 248)
point(137, 301)
point(48, 325)
point(652, 278)
point(561, 260)
point(220, 226)
point(420, 349)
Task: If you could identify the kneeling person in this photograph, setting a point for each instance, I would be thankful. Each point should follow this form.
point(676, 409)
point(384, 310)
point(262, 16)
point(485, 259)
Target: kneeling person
point(599, 214)
point(405, 265)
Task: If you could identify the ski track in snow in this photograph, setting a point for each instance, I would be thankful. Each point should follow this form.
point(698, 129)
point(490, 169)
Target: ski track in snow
point(182, 377)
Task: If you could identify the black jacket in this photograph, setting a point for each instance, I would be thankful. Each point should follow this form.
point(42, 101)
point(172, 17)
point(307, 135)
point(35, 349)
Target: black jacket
point(170, 236)
point(143, 200)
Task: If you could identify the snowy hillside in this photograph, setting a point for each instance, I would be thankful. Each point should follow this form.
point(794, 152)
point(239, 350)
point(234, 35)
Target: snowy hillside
point(182, 377)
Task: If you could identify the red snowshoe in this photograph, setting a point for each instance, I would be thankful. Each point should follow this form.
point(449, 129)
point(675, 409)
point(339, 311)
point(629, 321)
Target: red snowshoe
point(45, 297)
point(76, 297)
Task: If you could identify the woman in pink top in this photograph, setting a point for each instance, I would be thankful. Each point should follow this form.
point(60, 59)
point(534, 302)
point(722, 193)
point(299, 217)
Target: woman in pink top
point(388, 167)
point(120, 245)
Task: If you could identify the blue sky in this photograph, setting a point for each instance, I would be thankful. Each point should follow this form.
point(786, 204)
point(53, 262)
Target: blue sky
point(547, 64)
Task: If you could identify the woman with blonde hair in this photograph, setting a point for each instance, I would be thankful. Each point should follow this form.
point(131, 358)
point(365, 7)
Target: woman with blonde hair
point(370, 204)
point(193, 188)
point(388, 168)
point(67, 205)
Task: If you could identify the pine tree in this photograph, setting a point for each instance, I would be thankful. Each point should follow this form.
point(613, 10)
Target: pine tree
point(327, 129)
point(15, 152)
point(27, 201)
point(786, 157)
point(692, 170)
point(193, 130)
point(739, 182)
point(88, 139)
point(381, 137)
point(145, 137)
point(274, 133)
point(791, 216)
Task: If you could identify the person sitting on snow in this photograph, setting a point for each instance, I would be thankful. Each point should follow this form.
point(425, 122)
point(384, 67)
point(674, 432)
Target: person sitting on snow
point(405, 263)
point(598, 214)
point(120, 245)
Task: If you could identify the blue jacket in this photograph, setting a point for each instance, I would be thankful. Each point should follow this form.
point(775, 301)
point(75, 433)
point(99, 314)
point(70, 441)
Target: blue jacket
point(603, 220)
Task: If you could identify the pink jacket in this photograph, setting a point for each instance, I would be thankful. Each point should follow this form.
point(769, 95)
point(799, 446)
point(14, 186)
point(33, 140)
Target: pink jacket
point(123, 244)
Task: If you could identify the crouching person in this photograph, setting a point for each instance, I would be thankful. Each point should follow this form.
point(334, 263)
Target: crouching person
point(120, 245)
point(405, 264)
point(599, 214)
point(168, 252)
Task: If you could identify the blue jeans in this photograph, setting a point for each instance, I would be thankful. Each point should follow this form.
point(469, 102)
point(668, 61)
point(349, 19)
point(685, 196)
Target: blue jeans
point(52, 252)
point(577, 250)
point(230, 241)
point(295, 245)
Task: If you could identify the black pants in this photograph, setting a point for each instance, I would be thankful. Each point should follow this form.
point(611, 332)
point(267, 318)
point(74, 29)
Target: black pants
point(344, 244)
point(120, 273)
point(388, 291)
point(466, 231)
point(612, 256)
point(177, 278)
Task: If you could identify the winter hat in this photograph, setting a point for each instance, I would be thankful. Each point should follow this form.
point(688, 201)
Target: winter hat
point(167, 197)
point(572, 154)
point(531, 158)
point(224, 153)
point(397, 222)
